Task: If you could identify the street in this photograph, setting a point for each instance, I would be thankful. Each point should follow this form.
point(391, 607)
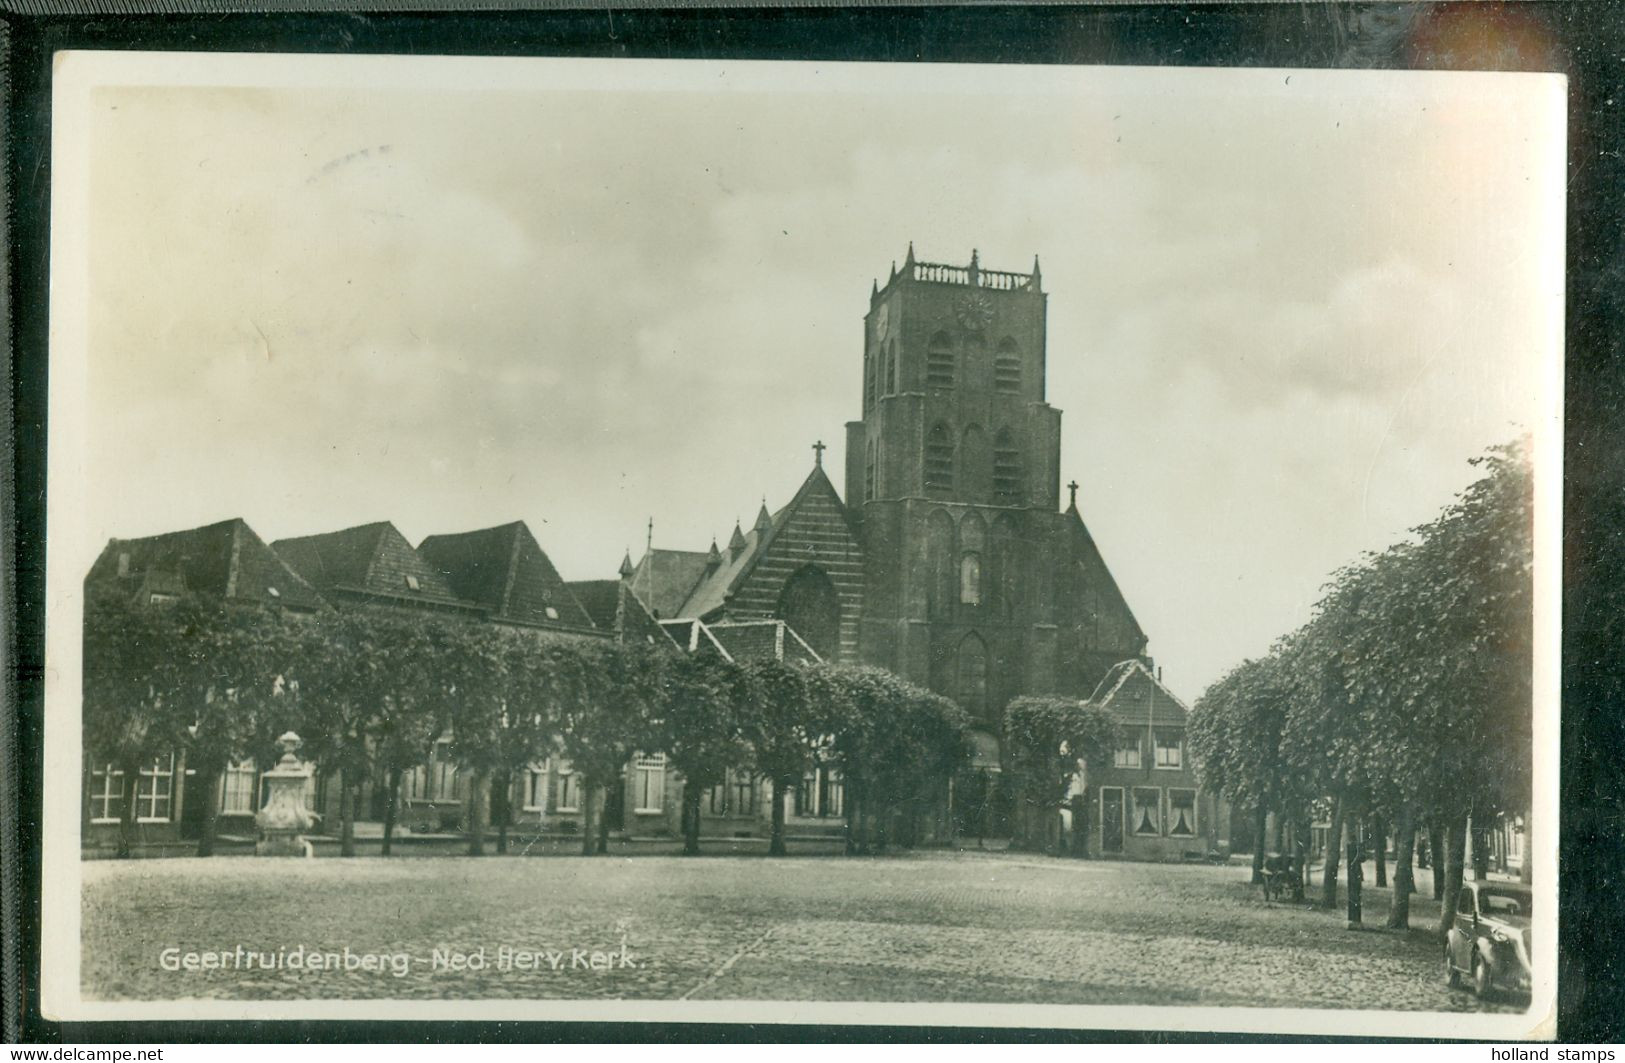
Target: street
point(923, 926)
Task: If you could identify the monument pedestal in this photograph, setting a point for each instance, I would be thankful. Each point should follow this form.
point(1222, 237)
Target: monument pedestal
point(284, 818)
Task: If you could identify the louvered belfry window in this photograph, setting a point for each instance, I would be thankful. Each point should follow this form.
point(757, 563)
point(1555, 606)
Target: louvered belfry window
point(1006, 469)
point(939, 362)
point(1007, 368)
point(939, 459)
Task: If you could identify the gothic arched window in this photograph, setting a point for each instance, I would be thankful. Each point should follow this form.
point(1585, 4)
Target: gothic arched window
point(939, 459)
point(869, 378)
point(975, 466)
point(894, 368)
point(1007, 469)
point(970, 676)
point(885, 384)
point(1007, 367)
point(939, 555)
point(939, 362)
point(812, 608)
point(869, 472)
point(1004, 566)
point(972, 542)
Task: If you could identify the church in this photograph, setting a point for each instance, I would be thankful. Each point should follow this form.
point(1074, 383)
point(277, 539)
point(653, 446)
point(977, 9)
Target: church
point(949, 559)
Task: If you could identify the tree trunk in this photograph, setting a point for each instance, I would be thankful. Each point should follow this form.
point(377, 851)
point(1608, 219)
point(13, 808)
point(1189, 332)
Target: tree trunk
point(691, 818)
point(1260, 820)
point(588, 840)
point(603, 817)
point(1399, 909)
point(479, 797)
point(347, 791)
point(211, 809)
point(1080, 826)
point(1526, 870)
point(1280, 831)
point(1379, 833)
point(1481, 852)
point(1356, 869)
point(775, 845)
point(126, 814)
point(501, 809)
point(1455, 844)
point(1436, 855)
point(1334, 836)
point(392, 806)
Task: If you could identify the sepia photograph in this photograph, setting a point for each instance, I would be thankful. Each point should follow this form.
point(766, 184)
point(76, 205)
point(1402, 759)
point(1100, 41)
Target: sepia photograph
point(715, 541)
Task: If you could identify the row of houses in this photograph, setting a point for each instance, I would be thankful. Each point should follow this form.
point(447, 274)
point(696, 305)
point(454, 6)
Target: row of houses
point(1145, 805)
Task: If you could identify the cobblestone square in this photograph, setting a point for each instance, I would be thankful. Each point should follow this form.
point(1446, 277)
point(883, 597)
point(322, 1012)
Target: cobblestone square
point(924, 926)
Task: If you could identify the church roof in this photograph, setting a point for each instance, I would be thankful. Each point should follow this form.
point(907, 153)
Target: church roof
point(1084, 548)
point(506, 572)
point(374, 560)
point(1136, 697)
point(663, 579)
point(226, 560)
point(747, 640)
point(710, 594)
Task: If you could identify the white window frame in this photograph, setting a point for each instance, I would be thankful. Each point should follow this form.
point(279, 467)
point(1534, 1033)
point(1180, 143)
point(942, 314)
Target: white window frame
point(251, 770)
point(567, 776)
point(537, 780)
point(1177, 749)
point(1128, 756)
point(651, 779)
point(149, 802)
point(1168, 812)
point(1134, 807)
point(110, 777)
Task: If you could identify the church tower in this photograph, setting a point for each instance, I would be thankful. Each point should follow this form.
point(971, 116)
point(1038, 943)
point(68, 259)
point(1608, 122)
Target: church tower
point(976, 584)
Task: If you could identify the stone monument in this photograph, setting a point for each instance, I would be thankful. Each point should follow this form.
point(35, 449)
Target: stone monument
point(285, 816)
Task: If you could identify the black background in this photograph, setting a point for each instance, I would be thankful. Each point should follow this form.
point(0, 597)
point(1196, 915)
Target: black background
point(1585, 40)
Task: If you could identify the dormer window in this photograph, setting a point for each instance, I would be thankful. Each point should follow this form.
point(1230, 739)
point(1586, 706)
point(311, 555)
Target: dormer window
point(412, 584)
point(124, 564)
point(552, 613)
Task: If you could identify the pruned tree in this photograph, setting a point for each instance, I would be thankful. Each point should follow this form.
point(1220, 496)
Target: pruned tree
point(780, 726)
point(1050, 737)
point(704, 700)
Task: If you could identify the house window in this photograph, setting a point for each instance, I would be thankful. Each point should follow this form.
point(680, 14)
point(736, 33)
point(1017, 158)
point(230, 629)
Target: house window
point(106, 794)
point(569, 791)
point(239, 786)
point(716, 799)
point(651, 783)
point(1181, 813)
point(154, 790)
point(744, 794)
point(1170, 749)
point(1127, 756)
point(970, 579)
point(939, 362)
point(1145, 811)
point(160, 598)
point(536, 780)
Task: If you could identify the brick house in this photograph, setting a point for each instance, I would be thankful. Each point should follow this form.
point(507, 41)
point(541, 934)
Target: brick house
point(226, 561)
point(1147, 804)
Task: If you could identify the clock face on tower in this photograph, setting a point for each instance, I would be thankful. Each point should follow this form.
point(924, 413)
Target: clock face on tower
point(883, 322)
point(974, 312)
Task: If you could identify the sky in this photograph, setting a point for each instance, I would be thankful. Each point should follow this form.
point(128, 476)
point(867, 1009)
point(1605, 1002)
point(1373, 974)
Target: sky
point(1286, 307)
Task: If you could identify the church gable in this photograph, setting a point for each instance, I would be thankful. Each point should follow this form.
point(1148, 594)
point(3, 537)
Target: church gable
point(802, 565)
point(1101, 609)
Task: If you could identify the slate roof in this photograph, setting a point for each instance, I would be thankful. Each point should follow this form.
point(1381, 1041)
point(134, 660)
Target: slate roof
point(226, 560)
point(1083, 546)
point(711, 592)
point(663, 579)
point(600, 598)
point(747, 640)
point(1135, 697)
point(371, 560)
point(505, 571)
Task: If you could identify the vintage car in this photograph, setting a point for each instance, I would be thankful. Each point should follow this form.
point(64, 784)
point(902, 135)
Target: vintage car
point(1489, 941)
